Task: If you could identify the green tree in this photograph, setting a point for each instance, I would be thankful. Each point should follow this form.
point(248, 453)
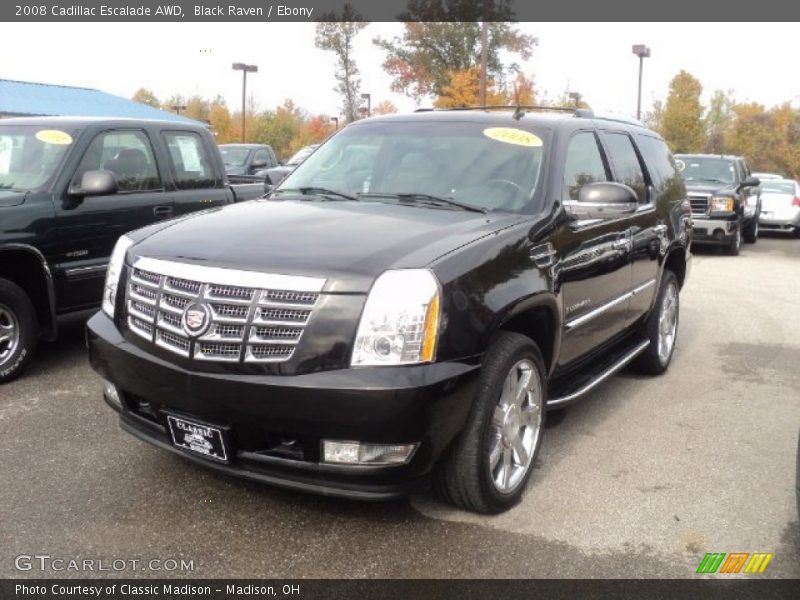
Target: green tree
point(682, 122)
point(422, 60)
point(718, 120)
point(337, 35)
point(145, 96)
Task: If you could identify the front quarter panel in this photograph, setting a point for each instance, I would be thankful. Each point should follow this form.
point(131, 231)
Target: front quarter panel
point(484, 285)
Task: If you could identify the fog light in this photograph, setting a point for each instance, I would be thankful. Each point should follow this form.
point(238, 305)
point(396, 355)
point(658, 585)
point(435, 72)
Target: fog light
point(357, 453)
point(111, 394)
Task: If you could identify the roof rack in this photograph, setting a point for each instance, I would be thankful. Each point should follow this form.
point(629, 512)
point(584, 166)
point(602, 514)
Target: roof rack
point(581, 113)
point(502, 107)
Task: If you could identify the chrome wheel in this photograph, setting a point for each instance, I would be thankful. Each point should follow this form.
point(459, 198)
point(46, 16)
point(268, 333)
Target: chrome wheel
point(668, 322)
point(516, 426)
point(9, 334)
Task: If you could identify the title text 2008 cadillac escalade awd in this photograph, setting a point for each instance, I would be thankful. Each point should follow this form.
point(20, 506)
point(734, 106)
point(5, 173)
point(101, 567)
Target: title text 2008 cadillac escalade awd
point(405, 307)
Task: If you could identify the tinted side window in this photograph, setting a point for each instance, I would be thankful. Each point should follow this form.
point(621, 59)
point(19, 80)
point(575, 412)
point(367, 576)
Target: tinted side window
point(744, 172)
point(190, 161)
point(660, 163)
point(627, 168)
point(584, 164)
point(126, 153)
point(262, 156)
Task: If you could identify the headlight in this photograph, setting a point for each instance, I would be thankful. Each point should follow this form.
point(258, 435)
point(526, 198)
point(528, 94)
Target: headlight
point(400, 322)
point(721, 203)
point(113, 273)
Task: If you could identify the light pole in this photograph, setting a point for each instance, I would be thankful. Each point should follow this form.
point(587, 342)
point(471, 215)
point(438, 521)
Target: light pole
point(245, 69)
point(178, 108)
point(368, 98)
point(484, 58)
point(642, 52)
point(335, 122)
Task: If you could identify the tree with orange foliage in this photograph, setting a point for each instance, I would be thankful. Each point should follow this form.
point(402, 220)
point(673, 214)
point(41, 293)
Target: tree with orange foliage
point(464, 90)
point(386, 107)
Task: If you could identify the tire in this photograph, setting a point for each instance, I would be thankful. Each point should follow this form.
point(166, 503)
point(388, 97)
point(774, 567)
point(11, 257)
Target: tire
point(796, 232)
point(655, 359)
point(735, 243)
point(751, 231)
point(467, 476)
point(19, 330)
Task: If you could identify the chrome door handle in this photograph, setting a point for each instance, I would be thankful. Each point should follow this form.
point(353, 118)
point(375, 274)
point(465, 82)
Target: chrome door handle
point(622, 244)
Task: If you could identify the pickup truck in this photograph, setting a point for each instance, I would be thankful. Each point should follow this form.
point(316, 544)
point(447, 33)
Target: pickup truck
point(725, 199)
point(69, 187)
point(405, 307)
point(247, 162)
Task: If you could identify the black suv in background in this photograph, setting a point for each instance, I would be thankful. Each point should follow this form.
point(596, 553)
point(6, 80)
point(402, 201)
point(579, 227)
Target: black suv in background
point(725, 199)
point(69, 187)
point(406, 306)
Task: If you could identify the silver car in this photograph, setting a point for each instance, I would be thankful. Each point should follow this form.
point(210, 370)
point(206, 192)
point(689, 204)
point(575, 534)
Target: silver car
point(780, 205)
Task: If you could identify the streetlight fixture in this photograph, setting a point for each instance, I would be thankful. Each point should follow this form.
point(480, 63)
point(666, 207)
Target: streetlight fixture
point(245, 69)
point(178, 108)
point(642, 52)
point(335, 121)
point(368, 98)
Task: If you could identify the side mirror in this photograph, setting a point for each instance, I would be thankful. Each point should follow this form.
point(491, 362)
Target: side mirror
point(95, 183)
point(603, 200)
point(258, 164)
point(750, 182)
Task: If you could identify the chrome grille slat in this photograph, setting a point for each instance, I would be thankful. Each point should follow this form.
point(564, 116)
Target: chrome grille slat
point(249, 323)
point(699, 204)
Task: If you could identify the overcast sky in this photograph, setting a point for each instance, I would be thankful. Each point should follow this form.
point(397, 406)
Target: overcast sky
point(755, 60)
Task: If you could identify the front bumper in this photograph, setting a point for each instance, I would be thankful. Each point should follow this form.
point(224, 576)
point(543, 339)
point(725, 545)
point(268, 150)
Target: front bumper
point(425, 404)
point(712, 230)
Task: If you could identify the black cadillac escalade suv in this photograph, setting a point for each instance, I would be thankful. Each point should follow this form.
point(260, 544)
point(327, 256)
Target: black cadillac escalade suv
point(405, 307)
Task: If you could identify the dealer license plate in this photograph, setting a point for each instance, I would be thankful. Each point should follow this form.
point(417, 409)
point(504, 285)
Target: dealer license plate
point(198, 438)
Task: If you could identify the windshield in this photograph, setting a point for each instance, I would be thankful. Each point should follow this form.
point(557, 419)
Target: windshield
point(30, 155)
point(496, 168)
point(234, 156)
point(778, 187)
point(301, 155)
point(707, 169)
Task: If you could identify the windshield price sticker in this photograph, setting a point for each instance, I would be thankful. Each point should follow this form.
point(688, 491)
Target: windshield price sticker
point(54, 136)
point(509, 135)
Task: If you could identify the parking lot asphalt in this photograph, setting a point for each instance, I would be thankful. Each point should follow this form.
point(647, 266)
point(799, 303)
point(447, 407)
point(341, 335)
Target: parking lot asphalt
point(639, 480)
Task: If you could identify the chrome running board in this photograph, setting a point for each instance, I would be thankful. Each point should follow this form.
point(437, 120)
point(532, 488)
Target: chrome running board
point(594, 382)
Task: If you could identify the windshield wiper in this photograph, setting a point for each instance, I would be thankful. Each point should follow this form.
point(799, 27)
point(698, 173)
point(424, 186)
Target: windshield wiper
point(317, 191)
point(426, 199)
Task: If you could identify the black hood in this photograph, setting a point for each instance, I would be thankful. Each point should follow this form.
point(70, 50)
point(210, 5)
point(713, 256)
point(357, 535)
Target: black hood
point(710, 188)
point(348, 243)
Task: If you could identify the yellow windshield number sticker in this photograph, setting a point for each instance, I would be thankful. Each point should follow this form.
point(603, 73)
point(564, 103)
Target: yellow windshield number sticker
point(509, 135)
point(54, 136)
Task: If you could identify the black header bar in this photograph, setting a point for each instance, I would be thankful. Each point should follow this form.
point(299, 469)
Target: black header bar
point(397, 10)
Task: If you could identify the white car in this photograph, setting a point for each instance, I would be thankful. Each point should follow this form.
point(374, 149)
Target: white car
point(780, 205)
point(768, 176)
